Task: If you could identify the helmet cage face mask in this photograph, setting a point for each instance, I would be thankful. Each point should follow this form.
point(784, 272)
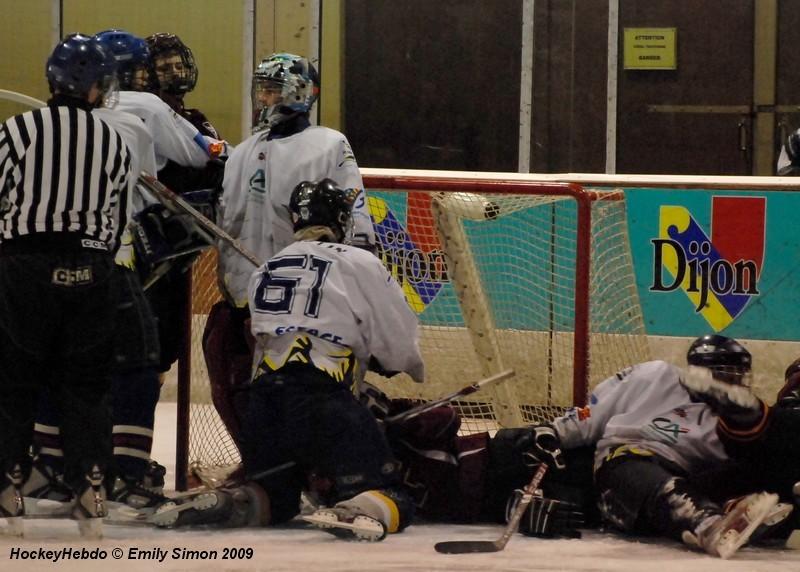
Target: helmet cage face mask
point(727, 359)
point(299, 88)
point(735, 375)
point(173, 62)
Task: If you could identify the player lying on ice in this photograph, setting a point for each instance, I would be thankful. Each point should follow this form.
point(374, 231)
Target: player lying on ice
point(321, 312)
point(653, 435)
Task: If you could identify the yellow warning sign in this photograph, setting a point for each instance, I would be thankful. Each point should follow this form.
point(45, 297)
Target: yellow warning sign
point(650, 49)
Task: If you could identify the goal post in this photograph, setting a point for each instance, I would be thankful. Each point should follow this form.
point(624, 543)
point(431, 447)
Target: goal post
point(534, 276)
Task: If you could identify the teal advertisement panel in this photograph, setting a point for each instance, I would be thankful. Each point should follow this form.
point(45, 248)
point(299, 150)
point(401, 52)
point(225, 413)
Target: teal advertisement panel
point(717, 261)
point(500, 252)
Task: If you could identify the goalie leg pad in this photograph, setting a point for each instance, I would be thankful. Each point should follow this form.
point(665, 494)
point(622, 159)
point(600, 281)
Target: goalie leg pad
point(228, 359)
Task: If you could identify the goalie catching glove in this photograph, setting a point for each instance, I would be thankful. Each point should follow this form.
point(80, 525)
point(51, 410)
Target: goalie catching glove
point(547, 518)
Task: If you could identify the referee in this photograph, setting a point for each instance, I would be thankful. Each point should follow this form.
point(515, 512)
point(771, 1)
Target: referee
point(63, 191)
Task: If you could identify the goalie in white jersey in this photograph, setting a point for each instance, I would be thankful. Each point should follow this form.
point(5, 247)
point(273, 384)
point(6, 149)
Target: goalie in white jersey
point(652, 434)
point(322, 313)
point(260, 174)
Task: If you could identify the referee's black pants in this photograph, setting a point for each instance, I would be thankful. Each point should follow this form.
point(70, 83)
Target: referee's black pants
point(57, 310)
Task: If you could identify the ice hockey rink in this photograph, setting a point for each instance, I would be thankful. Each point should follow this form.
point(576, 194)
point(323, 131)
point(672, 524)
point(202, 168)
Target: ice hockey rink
point(303, 549)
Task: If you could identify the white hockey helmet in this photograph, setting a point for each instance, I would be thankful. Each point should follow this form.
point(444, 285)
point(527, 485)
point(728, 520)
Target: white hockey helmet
point(283, 85)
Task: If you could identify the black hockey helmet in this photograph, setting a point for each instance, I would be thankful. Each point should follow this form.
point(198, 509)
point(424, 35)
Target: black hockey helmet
point(727, 359)
point(173, 62)
point(321, 204)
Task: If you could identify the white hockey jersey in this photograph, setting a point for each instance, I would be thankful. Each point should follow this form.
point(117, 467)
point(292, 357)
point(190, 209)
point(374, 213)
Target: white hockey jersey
point(646, 408)
point(173, 136)
point(140, 144)
point(333, 306)
point(260, 175)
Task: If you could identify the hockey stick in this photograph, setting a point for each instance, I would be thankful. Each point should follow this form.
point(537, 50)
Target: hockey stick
point(471, 546)
point(176, 203)
point(17, 97)
point(467, 390)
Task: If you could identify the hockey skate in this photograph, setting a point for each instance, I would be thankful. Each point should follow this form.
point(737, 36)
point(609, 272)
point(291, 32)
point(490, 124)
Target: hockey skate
point(725, 535)
point(12, 507)
point(90, 505)
point(346, 523)
point(135, 494)
point(45, 493)
point(204, 507)
point(45, 482)
point(247, 505)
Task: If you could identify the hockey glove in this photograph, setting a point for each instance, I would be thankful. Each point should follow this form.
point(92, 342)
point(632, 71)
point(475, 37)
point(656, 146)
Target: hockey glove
point(545, 447)
point(547, 518)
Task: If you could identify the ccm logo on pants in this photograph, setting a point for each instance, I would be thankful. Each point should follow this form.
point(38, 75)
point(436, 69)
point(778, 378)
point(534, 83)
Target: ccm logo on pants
point(72, 277)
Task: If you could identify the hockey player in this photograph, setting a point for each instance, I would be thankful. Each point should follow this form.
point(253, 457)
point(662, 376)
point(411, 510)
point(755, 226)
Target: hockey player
point(762, 438)
point(260, 174)
point(322, 312)
point(650, 436)
point(176, 74)
point(135, 384)
point(61, 217)
point(184, 161)
point(472, 478)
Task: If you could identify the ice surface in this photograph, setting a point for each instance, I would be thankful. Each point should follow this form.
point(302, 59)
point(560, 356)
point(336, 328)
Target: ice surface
point(302, 549)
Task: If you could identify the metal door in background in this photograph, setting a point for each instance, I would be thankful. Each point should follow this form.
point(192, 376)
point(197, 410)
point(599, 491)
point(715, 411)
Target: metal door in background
point(696, 119)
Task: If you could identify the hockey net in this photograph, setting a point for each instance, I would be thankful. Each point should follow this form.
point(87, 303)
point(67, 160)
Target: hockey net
point(518, 274)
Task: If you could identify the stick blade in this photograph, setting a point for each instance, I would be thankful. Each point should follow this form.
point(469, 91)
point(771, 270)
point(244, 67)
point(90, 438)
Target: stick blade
point(466, 546)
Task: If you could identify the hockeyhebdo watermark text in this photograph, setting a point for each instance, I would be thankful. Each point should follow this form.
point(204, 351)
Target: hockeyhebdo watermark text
point(157, 554)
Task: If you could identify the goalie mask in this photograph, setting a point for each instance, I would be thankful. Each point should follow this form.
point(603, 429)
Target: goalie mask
point(79, 63)
point(727, 359)
point(173, 62)
point(322, 206)
point(134, 68)
point(283, 85)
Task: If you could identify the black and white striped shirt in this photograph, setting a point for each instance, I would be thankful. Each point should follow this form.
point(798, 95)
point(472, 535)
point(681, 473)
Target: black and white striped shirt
point(62, 170)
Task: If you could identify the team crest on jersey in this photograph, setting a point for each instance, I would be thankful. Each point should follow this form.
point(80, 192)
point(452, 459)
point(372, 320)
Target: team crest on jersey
point(664, 429)
point(258, 183)
point(718, 270)
point(411, 253)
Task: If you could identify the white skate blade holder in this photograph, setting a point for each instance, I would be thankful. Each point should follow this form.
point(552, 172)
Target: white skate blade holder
point(731, 540)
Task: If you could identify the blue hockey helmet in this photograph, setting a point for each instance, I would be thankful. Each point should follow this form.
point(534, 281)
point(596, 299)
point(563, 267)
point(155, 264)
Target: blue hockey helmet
point(134, 67)
point(78, 63)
